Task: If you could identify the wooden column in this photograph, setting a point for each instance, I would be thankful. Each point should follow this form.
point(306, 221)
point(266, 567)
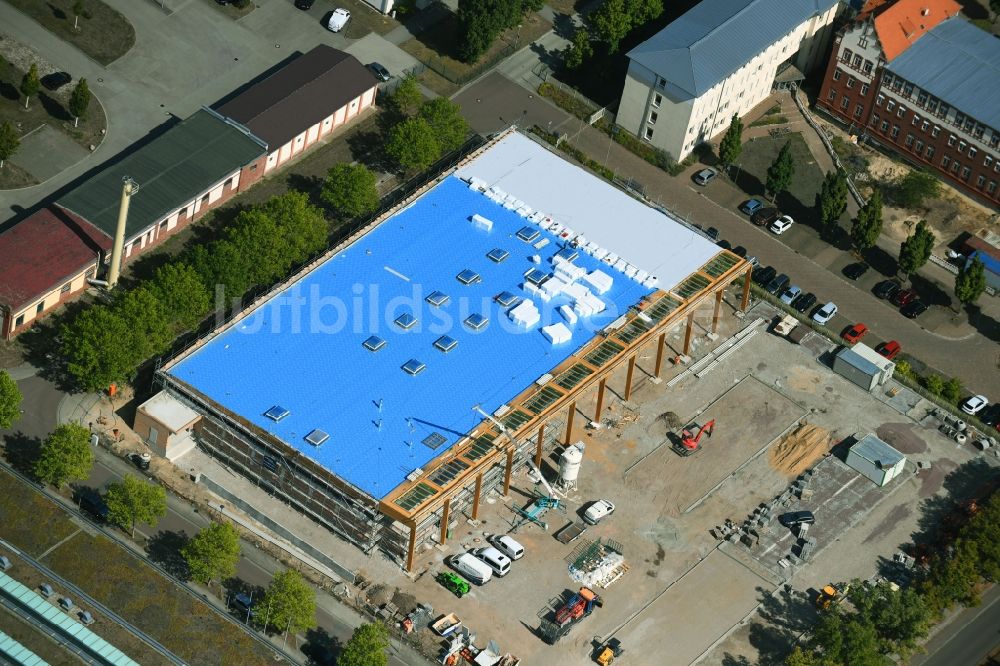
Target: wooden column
point(600, 401)
point(661, 342)
point(569, 421)
point(411, 549)
point(746, 289)
point(507, 470)
point(687, 333)
point(538, 448)
point(628, 377)
point(475, 498)
point(718, 310)
point(445, 516)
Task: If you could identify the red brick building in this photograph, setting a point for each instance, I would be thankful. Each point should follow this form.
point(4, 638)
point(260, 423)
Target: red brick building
point(915, 77)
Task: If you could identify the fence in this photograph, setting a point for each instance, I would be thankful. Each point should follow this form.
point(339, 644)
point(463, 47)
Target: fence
point(829, 148)
point(464, 75)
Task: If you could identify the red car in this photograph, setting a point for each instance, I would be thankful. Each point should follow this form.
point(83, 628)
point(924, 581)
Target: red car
point(854, 333)
point(889, 349)
point(904, 296)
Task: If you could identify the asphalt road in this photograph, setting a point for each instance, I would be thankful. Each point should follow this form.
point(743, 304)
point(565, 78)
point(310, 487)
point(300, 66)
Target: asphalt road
point(968, 639)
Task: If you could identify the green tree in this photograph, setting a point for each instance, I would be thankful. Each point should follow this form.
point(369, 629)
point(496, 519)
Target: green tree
point(135, 500)
point(779, 174)
point(9, 142)
point(867, 225)
point(366, 647)
point(79, 101)
point(900, 617)
point(952, 390)
point(65, 454)
point(995, 6)
point(407, 98)
point(213, 553)
point(303, 224)
point(579, 49)
point(611, 22)
point(186, 301)
point(30, 84)
point(446, 121)
point(953, 578)
point(732, 142)
point(970, 283)
point(78, 10)
point(847, 639)
point(10, 400)
point(933, 383)
point(913, 189)
point(802, 657)
point(351, 190)
point(412, 145)
point(146, 319)
point(289, 602)
point(832, 200)
point(97, 347)
point(916, 249)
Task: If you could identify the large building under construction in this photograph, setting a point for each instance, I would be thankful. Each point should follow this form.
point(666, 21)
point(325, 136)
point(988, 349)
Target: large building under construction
point(388, 387)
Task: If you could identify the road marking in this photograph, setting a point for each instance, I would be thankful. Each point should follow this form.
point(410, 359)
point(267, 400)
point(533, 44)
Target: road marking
point(61, 542)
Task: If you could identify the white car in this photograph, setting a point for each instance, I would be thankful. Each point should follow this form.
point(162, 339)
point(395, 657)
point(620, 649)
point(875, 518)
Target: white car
point(507, 545)
point(781, 225)
point(974, 404)
point(825, 313)
point(338, 19)
point(598, 511)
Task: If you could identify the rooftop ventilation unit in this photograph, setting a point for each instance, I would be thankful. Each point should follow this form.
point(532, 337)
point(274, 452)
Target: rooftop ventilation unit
point(468, 276)
point(415, 474)
point(434, 440)
point(374, 343)
point(437, 298)
point(445, 344)
point(406, 321)
point(528, 234)
point(505, 299)
point(567, 254)
point(536, 276)
point(317, 437)
point(497, 255)
point(413, 367)
point(476, 322)
point(277, 413)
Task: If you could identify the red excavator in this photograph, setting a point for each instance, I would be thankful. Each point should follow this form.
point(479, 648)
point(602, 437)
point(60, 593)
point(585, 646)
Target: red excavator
point(688, 442)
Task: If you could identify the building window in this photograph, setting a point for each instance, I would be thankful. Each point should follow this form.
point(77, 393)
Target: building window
point(919, 146)
point(40, 308)
point(844, 102)
point(972, 151)
point(885, 125)
point(935, 131)
point(649, 133)
point(887, 79)
point(980, 182)
point(908, 90)
point(879, 99)
point(965, 173)
point(952, 140)
point(868, 67)
point(980, 130)
point(955, 166)
point(832, 95)
point(897, 84)
point(901, 111)
point(968, 124)
point(992, 187)
point(922, 98)
point(875, 119)
point(994, 139)
point(916, 120)
point(846, 57)
point(961, 146)
point(228, 184)
point(864, 89)
point(996, 166)
point(895, 131)
point(856, 63)
point(657, 100)
point(909, 140)
point(959, 119)
point(836, 75)
point(890, 106)
point(924, 125)
point(65, 288)
point(945, 161)
point(988, 160)
point(19, 321)
point(943, 110)
point(183, 212)
point(163, 225)
point(929, 152)
point(652, 117)
point(932, 105)
point(660, 82)
point(858, 110)
point(850, 81)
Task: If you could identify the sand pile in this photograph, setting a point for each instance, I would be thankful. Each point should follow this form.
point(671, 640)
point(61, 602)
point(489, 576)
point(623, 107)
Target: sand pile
point(799, 449)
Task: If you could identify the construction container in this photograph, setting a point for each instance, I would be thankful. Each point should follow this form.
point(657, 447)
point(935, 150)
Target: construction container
point(863, 366)
point(876, 460)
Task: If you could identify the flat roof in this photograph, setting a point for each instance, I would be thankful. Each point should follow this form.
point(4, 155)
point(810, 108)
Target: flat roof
point(171, 170)
point(169, 411)
point(306, 351)
point(874, 450)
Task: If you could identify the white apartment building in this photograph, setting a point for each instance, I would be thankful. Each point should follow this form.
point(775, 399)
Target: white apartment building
point(722, 57)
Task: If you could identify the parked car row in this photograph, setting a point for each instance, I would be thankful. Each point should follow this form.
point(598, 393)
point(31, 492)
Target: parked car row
point(479, 565)
point(907, 300)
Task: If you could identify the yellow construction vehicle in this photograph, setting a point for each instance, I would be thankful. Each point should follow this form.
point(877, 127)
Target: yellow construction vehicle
point(607, 653)
point(830, 595)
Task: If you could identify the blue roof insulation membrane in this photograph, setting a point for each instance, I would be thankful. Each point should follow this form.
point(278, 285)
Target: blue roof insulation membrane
point(304, 350)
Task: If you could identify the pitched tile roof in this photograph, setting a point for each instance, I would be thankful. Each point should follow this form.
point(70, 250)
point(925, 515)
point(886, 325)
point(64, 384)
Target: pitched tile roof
point(958, 63)
point(717, 37)
point(43, 251)
point(170, 170)
point(299, 95)
point(900, 24)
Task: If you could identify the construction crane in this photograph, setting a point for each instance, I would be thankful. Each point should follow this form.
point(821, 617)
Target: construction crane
point(531, 465)
point(689, 440)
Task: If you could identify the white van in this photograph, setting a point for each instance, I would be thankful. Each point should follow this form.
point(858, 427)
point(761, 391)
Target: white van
point(496, 560)
point(506, 545)
point(472, 568)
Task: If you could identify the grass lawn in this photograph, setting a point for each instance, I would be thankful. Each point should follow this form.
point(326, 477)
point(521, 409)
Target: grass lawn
point(438, 83)
point(567, 7)
point(30, 522)
point(758, 155)
point(104, 35)
point(364, 19)
point(13, 177)
point(436, 46)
